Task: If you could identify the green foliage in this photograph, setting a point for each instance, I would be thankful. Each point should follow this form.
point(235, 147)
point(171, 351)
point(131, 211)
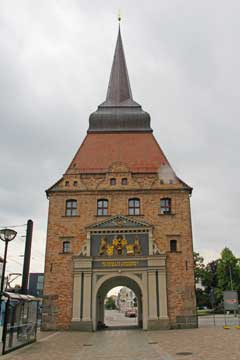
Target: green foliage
point(110, 304)
point(199, 267)
point(202, 298)
point(228, 271)
point(217, 276)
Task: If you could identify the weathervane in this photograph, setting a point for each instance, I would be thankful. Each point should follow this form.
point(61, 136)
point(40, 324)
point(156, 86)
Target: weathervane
point(119, 16)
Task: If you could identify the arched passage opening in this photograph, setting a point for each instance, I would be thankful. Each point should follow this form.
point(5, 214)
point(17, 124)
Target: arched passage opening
point(106, 286)
point(120, 309)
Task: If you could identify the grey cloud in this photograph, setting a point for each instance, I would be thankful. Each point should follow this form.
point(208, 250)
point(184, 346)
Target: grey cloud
point(183, 58)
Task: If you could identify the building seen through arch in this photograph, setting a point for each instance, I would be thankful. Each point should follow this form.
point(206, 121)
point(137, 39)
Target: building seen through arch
point(119, 216)
point(126, 312)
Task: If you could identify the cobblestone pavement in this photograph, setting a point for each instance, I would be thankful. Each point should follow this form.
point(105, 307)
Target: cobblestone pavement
point(203, 343)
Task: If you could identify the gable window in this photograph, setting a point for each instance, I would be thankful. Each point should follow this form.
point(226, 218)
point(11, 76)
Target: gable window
point(66, 247)
point(134, 206)
point(124, 181)
point(173, 245)
point(66, 183)
point(102, 207)
point(113, 181)
point(75, 183)
point(165, 206)
point(71, 207)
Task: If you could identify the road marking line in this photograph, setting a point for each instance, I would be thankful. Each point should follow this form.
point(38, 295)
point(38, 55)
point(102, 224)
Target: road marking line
point(18, 351)
point(49, 336)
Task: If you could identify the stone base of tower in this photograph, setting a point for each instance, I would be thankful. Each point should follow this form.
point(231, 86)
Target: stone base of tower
point(81, 326)
point(185, 322)
point(161, 324)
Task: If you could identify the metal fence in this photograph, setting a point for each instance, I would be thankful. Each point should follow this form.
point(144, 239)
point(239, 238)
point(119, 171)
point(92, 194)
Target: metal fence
point(227, 319)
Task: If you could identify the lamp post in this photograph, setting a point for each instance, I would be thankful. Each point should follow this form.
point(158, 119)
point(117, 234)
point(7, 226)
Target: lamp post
point(6, 235)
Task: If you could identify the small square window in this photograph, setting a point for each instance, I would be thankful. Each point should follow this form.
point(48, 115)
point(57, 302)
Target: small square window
point(134, 206)
point(113, 181)
point(165, 206)
point(75, 183)
point(102, 207)
point(71, 207)
point(66, 183)
point(66, 247)
point(173, 245)
point(124, 181)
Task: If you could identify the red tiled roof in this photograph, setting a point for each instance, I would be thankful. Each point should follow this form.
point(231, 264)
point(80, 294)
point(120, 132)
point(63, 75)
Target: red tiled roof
point(139, 151)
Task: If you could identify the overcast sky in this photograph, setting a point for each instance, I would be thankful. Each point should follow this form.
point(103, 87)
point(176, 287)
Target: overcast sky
point(183, 59)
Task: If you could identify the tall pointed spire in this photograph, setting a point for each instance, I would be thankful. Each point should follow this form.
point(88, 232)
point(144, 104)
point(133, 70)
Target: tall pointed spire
point(119, 112)
point(119, 90)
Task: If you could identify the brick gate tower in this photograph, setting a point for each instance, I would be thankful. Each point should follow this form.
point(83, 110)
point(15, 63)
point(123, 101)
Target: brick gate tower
point(119, 216)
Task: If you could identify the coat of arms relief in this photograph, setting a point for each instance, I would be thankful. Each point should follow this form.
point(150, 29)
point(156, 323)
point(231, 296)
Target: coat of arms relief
point(119, 246)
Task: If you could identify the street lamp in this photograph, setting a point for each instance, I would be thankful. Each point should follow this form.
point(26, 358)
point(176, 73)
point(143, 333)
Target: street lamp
point(6, 235)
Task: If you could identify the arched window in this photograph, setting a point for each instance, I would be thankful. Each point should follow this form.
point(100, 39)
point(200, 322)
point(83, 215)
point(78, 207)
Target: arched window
point(102, 207)
point(112, 181)
point(173, 245)
point(124, 181)
point(66, 247)
point(134, 206)
point(165, 206)
point(71, 207)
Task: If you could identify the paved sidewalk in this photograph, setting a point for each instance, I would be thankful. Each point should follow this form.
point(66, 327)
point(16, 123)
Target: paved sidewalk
point(204, 344)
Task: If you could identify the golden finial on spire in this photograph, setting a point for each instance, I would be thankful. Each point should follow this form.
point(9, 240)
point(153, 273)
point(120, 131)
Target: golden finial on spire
point(119, 15)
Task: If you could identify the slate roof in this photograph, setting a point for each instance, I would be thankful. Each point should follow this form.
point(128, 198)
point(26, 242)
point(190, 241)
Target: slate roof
point(119, 90)
point(119, 112)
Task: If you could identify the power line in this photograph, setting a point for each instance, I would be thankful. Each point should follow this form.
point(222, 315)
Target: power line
point(12, 226)
point(17, 262)
point(33, 249)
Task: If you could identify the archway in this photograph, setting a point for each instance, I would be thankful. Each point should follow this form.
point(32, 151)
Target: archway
point(111, 283)
point(120, 309)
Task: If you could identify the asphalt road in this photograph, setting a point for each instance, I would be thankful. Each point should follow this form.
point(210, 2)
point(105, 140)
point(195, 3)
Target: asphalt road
point(115, 318)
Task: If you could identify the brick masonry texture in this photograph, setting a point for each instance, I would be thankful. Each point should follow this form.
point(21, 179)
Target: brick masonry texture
point(89, 188)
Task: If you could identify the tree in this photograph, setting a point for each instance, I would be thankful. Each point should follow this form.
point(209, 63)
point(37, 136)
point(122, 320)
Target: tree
point(199, 267)
point(199, 273)
point(202, 298)
point(217, 276)
point(110, 304)
point(210, 282)
point(210, 276)
point(228, 271)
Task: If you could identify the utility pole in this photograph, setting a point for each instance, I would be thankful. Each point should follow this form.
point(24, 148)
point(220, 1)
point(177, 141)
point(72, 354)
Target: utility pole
point(27, 256)
point(230, 273)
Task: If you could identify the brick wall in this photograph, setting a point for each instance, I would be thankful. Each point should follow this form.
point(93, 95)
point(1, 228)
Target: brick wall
point(88, 189)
